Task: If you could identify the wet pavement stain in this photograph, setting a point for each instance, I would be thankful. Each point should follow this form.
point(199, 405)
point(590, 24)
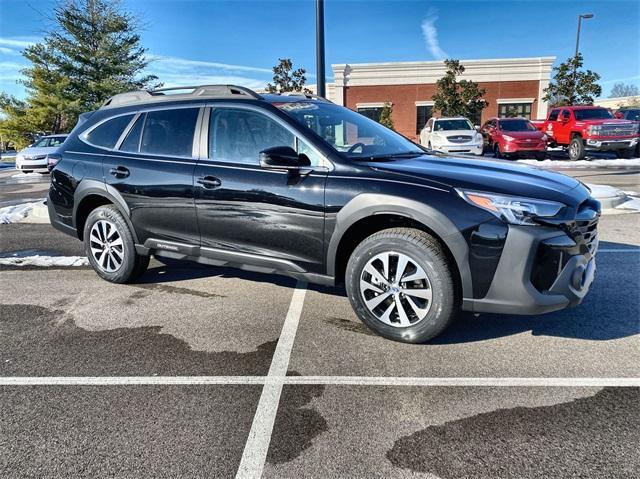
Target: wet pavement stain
point(350, 326)
point(165, 288)
point(46, 342)
point(594, 437)
point(296, 424)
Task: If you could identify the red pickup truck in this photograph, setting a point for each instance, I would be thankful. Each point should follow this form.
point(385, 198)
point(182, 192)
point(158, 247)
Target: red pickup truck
point(582, 128)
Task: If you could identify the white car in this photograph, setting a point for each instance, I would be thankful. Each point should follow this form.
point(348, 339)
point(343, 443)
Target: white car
point(452, 135)
point(34, 157)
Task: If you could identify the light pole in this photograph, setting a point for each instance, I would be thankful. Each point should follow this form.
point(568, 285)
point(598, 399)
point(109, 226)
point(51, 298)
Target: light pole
point(320, 48)
point(586, 16)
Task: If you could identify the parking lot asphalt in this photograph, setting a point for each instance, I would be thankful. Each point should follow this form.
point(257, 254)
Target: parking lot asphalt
point(204, 372)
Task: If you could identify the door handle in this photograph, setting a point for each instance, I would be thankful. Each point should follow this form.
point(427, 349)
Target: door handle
point(209, 182)
point(119, 172)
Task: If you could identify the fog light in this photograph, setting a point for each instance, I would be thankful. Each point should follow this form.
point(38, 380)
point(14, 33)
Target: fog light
point(578, 277)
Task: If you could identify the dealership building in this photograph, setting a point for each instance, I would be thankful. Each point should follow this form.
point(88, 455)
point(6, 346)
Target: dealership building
point(511, 84)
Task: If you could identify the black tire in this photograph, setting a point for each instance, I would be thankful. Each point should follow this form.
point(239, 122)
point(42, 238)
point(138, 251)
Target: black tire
point(541, 156)
point(496, 151)
point(426, 252)
point(576, 149)
point(636, 152)
point(27, 171)
point(624, 153)
point(133, 264)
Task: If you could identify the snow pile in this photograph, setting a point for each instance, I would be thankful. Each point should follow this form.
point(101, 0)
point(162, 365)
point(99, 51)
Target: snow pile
point(630, 204)
point(581, 163)
point(36, 212)
point(605, 191)
point(45, 261)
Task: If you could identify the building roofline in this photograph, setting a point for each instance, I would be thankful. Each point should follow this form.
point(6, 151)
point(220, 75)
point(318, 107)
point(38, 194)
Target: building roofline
point(545, 59)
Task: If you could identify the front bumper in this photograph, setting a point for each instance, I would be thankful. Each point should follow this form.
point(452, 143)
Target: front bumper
point(611, 144)
point(31, 164)
point(469, 148)
point(541, 269)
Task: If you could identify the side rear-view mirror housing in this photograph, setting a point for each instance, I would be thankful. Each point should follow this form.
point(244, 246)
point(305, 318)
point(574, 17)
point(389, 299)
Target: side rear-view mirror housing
point(282, 158)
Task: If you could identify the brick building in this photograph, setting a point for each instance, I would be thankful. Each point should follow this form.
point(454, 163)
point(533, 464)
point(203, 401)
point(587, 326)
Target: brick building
point(511, 83)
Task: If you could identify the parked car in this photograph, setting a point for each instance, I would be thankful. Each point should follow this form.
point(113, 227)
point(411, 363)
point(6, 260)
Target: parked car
point(513, 138)
point(451, 135)
point(631, 113)
point(299, 186)
point(34, 157)
point(582, 128)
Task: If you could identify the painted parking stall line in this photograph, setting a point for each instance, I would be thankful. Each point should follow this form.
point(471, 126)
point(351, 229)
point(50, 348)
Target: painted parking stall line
point(257, 445)
point(319, 380)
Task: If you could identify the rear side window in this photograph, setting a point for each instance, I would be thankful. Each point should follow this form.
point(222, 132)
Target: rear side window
point(107, 134)
point(132, 142)
point(169, 132)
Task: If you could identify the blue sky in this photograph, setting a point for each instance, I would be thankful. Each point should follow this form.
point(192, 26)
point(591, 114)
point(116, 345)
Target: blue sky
point(209, 41)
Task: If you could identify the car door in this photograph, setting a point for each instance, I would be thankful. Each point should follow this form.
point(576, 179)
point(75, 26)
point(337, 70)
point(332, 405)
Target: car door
point(151, 169)
point(425, 134)
point(562, 127)
point(249, 214)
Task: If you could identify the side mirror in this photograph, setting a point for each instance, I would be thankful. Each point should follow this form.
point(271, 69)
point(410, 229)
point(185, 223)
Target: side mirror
point(282, 158)
point(477, 127)
point(428, 128)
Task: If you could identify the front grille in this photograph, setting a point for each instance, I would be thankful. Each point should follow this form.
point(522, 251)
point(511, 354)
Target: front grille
point(584, 230)
point(529, 143)
point(459, 138)
point(618, 130)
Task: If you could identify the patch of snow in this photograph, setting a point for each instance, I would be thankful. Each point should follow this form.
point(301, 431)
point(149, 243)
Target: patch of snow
point(23, 175)
point(45, 261)
point(632, 204)
point(604, 191)
point(581, 163)
point(18, 213)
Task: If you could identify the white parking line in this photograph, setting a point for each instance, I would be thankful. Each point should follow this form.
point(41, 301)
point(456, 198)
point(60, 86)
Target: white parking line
point(311, 380)
point(257, 445)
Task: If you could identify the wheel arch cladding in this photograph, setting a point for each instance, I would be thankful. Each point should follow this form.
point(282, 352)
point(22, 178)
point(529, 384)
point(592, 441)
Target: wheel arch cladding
point(368, 213)
point(93, 194)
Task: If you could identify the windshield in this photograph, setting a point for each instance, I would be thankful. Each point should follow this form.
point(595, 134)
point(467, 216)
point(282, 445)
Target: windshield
point(445, 125)
point(41, 143)
point(516, 125)
point(349, 133)
point(592, 114)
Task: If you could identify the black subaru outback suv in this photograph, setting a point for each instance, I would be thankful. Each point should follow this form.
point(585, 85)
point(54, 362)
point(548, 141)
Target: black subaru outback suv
point(301, 186)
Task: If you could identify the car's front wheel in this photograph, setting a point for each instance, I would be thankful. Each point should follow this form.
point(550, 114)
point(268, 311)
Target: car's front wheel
point(110, 247)
point(577, 151)
point(400, 285)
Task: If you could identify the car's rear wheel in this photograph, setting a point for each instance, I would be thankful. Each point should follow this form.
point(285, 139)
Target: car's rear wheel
point(110, 247)
point(400, 285)
point(577, 151)
point(541, 156)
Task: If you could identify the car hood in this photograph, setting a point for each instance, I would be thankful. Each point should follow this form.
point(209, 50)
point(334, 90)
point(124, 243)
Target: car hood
point(524, 135)
point(607, 121)
point(495, 176)
point(32, 151)
point(470, 133)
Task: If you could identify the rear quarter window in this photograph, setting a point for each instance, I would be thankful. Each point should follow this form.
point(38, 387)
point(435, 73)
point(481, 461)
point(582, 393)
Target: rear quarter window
point(107, 134)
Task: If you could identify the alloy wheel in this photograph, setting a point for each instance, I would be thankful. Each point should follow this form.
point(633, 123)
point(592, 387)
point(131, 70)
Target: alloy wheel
point(396, 289)
point(106, 246)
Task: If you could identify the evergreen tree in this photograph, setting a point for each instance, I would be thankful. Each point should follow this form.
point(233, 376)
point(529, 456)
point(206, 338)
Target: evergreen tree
point(569, 88)
point(92, 52)
point(286, 79)
point(385, 115)
point(458, 98)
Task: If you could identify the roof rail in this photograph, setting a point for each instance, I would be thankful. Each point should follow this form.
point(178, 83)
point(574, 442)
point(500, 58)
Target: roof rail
point(210, 91)
point(311, 96)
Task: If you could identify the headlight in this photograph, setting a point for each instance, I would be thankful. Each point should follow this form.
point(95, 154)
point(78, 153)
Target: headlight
point(594, 130)
point(436, 138)
point(512, 209)
point(479, 137)
point(508, 138)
